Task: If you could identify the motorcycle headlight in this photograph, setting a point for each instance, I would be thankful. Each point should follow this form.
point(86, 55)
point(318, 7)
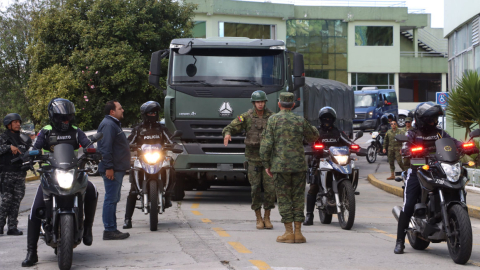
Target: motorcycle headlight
point(152, 158)
point(452, 172)
point(65, 178)
point(342, 160)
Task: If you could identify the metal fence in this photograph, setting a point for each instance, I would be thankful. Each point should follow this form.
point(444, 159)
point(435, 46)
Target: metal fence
point(474, 176)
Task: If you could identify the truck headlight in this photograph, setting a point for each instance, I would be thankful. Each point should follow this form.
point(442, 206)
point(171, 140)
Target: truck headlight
point(65, 178)
point(152, 158)
point(452, 172)
point(342, 160)
point(370, 114)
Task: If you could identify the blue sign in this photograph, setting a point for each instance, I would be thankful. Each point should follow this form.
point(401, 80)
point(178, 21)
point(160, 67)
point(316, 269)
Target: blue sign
point(442, 98)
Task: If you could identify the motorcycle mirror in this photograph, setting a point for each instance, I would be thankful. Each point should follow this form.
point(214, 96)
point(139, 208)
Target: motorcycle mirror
point(401, 138)
point(475, 133)
point(176, 134)
point(96, 137)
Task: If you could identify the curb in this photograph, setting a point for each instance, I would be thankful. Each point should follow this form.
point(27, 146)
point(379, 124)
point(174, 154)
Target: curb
point(473, 211)
point(31, 178)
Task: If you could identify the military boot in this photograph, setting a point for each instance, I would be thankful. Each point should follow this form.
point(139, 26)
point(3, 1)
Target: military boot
point(310, 208)
point(288, 236)
point(299, 238)
point(33, 233)
point(266, 220)
point(260, 224)
point(392, 177)
point(403, 223)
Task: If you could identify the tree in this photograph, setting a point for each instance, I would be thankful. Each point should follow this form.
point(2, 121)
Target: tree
point(463, 102)
point(104, 47)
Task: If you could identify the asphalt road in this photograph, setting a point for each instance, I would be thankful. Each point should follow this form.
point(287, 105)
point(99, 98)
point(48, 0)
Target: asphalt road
point(215, 229)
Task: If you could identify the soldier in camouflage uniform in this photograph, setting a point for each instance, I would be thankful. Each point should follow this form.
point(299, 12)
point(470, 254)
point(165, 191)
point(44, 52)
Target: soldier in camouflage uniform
point(12, 177)
point(408, 126)
point(283, 157)
point(394, 148)
point(253, 122)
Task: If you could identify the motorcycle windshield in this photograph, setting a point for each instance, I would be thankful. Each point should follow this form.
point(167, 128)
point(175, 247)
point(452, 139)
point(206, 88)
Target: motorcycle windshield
point(446, 150)
point(149, 148)
point(63, 157)
point(339, 151)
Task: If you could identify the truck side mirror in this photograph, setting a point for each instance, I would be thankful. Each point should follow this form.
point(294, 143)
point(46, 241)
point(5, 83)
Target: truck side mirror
point(298, 71)
point(156, 67)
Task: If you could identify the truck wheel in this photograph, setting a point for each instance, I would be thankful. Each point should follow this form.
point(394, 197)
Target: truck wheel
point(401, 121)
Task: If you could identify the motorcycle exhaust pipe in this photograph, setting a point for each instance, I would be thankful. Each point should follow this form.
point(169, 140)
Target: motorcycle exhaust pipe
point(396, 210)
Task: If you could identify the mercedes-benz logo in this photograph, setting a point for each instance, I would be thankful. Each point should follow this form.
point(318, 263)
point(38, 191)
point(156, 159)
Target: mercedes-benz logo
point(226, 110)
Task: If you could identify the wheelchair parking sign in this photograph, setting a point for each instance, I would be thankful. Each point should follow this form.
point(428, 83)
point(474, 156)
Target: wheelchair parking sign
point(442, 98)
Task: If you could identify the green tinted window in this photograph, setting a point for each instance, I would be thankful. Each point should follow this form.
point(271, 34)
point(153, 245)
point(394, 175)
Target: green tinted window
point(199, 30)
point(246, 30)
point(373, 35)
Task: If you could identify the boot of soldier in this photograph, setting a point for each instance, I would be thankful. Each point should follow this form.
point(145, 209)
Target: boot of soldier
point(260, 224)
point(33, 233)
point(266, 220)
point(288, 236)
point(403, 222)
point(392, 177)
point(310, 208)
point(299, 238)
point(90, 209)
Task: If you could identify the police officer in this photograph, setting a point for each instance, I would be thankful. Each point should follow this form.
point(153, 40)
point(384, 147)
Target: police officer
point(394, 148)
point(283, 157)
point(329, 136)
point(391, 117)
point(426, 133)
point(12, 177)
point(150, 131)
point(253, 122)
point(61, 113)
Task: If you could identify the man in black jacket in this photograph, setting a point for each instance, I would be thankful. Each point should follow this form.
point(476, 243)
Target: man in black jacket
point(12, 177)
point(115, 162)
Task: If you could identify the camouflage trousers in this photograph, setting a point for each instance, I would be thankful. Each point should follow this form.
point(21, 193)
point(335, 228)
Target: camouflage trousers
point(394, 154)
point(257, 176)
point(290, 189)
point(12, 193)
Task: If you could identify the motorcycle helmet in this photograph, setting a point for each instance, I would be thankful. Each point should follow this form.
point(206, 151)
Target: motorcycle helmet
point(61, 113)
point(327, 117)
point(391, 117)
point(384, 119)
point(9, 118)
point(426, 116)
point(149, 107)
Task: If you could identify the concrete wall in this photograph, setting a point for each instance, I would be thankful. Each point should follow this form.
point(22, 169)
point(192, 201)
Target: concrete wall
point(458, 12)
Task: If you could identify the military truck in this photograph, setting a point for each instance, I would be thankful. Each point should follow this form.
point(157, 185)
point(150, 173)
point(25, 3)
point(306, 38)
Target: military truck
point(209, 82)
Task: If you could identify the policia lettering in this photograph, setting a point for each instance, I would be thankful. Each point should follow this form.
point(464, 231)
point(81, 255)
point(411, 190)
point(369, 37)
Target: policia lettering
point(254, 122)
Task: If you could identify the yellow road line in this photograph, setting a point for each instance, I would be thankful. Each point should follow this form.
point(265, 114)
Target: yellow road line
point(221, 232)
point(474, 263)
point(239, 247)
point(195, 205)
point(394, 236)
point(206, 220)
point(196, 213)
point(261, 265)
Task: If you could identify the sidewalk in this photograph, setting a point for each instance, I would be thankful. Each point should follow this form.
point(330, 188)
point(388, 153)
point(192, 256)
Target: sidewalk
point(395, 188)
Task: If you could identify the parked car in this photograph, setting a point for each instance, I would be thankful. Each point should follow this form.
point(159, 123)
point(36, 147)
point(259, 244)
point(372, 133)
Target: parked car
point(93, 165)
point(371, 104)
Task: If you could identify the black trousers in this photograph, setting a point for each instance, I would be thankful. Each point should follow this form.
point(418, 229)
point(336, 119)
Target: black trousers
point(411, 192)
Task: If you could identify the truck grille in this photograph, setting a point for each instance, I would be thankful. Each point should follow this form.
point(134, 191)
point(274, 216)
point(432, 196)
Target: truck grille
point(209, 133)
point(360, 115)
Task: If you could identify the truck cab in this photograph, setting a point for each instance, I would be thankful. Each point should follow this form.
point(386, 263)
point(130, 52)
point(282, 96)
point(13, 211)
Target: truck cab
point(209, 83)
point(371, 104)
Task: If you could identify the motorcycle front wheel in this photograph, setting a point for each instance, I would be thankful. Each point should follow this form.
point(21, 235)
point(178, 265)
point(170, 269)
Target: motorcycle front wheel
point(153, 196)
point(65, 245)
point(460, 243)
point(347, 201)
point(371, 154)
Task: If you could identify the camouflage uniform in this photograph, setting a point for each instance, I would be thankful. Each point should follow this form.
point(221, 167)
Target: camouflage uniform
point(256, 172)
point(393, 148)
point(282, 151)
point(13, 191)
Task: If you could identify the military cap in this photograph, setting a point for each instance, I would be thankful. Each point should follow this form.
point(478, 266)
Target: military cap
point(286, 97)
point(408, 119)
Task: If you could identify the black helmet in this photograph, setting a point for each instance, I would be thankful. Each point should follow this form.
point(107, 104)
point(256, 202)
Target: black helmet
point(9, 118)
point(392, 117)
point(59, 111)
point(148, 107)
point(426, 116)
point(384, 119)
point(327, 116)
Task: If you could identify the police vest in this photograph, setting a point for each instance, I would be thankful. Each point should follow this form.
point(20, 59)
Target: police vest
point(6, 159)
point(68, 137)
point(152, 135)
point(330, 137)
point(254, 134)
point(383, 129)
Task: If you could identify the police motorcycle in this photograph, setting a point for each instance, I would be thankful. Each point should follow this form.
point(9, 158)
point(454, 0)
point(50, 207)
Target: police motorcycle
point(156, 164)
point(64, 185)
point(375, 147)
point(441, 213)
point(335, 169)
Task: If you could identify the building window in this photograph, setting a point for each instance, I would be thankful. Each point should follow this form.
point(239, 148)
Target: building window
point(419, 87)
point(373, 35)
point(256, 31)
point(379, 80)
point(323, 44)
point(199, 29)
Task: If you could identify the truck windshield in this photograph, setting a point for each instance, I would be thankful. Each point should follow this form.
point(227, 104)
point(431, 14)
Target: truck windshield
point(231, 67)
point(365, 100)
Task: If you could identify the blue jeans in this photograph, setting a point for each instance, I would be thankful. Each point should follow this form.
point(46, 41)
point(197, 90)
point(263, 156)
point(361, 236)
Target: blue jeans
point(112, 197)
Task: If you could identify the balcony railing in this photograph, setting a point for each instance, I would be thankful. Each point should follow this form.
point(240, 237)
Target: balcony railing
point(422, 54)
point(344, 3)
